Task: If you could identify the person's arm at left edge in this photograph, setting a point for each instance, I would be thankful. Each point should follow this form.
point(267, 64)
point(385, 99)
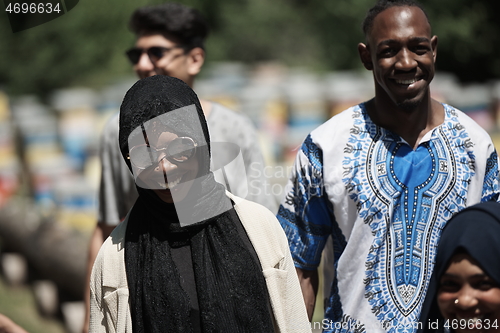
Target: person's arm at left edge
point(8, 326)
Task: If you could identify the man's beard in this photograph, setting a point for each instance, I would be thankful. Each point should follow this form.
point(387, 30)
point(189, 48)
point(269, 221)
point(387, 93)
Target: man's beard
point(409, 105)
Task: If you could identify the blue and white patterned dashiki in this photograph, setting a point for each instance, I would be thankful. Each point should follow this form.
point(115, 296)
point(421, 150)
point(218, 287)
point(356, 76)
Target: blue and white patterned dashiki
point(384, 205)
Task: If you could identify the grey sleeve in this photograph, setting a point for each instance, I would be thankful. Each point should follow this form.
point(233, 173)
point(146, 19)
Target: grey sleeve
point(259, 188)
point(117, 191)
point(229, 126)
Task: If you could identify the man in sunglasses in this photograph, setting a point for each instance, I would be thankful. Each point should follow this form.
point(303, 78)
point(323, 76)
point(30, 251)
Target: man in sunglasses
point(170, 41)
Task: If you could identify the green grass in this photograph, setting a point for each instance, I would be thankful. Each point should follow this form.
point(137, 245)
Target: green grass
point(18, 304)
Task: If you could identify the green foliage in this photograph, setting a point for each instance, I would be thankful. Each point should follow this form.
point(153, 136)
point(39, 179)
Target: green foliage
point(261, 30)
point(88, 40)
point(86, 45)
point(469, 37)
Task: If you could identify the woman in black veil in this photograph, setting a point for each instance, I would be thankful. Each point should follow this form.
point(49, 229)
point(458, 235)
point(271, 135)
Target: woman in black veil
point(189, 256)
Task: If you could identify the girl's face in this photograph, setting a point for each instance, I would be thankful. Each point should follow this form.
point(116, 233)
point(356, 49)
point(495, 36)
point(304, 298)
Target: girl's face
point(468, 298)
point(172, 168)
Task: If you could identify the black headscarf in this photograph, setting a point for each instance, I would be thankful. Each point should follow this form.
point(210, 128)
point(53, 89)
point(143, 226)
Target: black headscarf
point(230, 287)
point(475, 230)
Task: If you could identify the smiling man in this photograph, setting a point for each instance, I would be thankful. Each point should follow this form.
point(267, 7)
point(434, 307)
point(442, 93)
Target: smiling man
point(382, 178)
point(401, 53)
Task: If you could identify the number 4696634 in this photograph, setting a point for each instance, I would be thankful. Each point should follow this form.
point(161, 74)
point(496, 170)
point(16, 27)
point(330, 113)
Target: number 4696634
point(32, 8)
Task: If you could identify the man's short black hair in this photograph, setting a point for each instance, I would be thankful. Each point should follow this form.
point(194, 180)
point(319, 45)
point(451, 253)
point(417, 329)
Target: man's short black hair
point(172, 20)
point(382, 5)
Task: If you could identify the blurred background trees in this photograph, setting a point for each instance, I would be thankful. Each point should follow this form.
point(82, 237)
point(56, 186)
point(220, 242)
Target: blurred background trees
point(86, 45)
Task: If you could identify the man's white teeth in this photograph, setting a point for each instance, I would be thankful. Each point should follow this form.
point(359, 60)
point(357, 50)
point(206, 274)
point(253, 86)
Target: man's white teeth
point(170, 184)
point(406, 81)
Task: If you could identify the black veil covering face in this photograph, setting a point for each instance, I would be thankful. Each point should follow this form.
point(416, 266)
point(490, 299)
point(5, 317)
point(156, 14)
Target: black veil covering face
point(475, 230)
point(228, 291)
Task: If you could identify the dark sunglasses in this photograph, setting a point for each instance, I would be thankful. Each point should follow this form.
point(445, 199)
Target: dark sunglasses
point(154, 53)
point(179, 150)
